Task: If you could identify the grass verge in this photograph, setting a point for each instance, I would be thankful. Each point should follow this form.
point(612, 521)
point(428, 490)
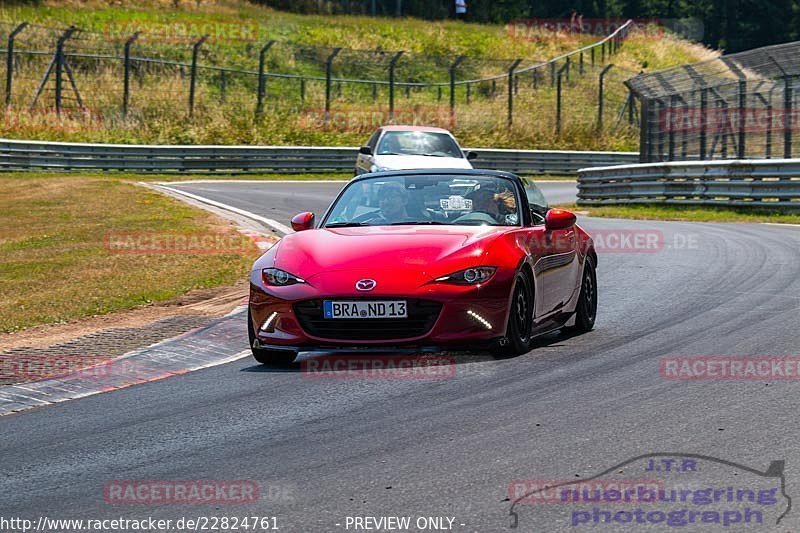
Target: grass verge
point(690, 213)
point(57, 264)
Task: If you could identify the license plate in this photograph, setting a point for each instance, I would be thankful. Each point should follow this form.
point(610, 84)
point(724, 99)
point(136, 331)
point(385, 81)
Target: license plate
point(373, 309)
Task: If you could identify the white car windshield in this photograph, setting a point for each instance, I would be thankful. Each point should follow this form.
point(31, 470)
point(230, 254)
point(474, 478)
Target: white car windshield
point(427, 199)
point(418, 143)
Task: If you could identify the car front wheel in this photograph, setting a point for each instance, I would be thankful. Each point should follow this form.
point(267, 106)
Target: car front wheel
point(520, 319)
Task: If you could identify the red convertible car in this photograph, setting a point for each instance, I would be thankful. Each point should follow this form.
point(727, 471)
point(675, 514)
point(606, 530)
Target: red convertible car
point(424, 260)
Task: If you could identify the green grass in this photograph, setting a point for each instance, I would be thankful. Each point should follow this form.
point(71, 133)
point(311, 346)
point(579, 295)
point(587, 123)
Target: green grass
point(159, 98)
point(57, 267)
point(691, 214)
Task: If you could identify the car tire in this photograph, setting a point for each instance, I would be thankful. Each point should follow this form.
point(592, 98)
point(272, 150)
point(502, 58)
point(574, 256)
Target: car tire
point(267, 357)
point(520, 318)
point(586, 311)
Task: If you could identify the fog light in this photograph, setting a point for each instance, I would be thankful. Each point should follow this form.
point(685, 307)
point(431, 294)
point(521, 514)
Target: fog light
point(485, 323)
point(267, 326)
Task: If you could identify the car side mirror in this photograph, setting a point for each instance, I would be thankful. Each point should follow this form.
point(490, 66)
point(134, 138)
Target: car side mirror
point(472, 155)
point(366, 150)
point(559, 219)
point(303, 221)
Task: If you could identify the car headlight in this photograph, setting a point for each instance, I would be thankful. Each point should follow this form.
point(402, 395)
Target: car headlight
point(279, 278)
point(469, 276)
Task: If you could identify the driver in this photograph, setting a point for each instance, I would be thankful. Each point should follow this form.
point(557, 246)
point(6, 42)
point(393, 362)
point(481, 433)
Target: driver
point(392, 201)
point(390, 145)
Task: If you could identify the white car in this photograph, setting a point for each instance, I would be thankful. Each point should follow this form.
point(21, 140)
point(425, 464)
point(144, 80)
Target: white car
point(411, 147)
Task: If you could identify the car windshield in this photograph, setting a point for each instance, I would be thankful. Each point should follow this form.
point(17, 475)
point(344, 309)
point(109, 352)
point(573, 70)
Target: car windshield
point(418, 143)
point(427, 199)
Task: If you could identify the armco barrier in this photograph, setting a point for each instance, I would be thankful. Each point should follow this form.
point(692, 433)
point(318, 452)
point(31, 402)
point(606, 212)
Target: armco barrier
point(765, 183)
point(58, 156)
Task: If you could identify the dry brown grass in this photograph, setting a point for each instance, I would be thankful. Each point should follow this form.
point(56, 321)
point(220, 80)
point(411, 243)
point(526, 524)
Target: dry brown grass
point(56, 266)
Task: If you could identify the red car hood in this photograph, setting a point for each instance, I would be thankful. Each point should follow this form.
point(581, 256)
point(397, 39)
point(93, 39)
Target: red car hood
point(421, 252)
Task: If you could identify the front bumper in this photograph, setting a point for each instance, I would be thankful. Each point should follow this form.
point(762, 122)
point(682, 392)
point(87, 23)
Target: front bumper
point(469, 316)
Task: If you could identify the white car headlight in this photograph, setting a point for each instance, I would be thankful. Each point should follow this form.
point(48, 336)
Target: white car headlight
point(469, 276)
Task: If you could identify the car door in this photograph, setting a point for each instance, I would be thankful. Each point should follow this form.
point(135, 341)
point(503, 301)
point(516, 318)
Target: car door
point(557, 265)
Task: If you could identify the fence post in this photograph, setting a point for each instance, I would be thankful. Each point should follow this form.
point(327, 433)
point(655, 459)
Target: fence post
point(453, 68)
point(60, 65)
point(193, 81)
point(558, 98)
point(328, 73)
point(724, 105)
point(10, 60)
point(126, 88)
point(740, 148)
point(262, 87)
point(661, 107)
point(644, 131)
point(787, 110)
point(670, 123)
point(768, 134)
point(703, 122)
point(580, 64)
point(593, 55)
point(392, 65)
point(631, 103)
point(600, 96)
point(787, 115)
point(511, 69)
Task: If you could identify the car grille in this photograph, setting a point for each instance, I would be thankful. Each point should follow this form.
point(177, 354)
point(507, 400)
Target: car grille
point(422, 315)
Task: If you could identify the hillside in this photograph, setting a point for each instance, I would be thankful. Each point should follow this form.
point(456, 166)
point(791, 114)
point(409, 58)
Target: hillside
point(293, 111)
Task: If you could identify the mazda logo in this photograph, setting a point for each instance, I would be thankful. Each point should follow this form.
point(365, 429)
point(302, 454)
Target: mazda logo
point(365, 284)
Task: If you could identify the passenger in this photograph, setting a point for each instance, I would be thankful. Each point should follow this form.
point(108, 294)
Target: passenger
point(488, 200)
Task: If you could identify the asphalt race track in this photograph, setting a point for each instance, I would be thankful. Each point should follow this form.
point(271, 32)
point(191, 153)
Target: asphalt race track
point(324, 448)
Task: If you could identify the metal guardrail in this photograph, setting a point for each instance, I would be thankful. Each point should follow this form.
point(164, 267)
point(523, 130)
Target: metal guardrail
point(80, 157)
point(765, 183)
